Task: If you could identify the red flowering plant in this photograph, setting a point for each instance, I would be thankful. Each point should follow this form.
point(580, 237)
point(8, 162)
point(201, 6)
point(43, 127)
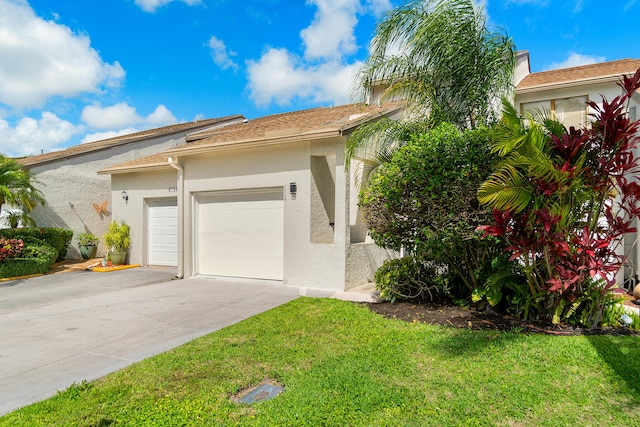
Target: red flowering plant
point(10, 248)
point(563, 200)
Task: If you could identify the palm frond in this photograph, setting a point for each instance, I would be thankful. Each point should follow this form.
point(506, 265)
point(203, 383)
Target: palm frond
point(506, 190)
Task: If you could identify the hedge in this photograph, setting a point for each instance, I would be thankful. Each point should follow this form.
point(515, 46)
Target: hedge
point(59, 238)
point(37, 257)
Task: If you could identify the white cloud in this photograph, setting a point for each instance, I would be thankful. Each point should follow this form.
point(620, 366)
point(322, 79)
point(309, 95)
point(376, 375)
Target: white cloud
point(220, 55)
point(122, 115)
point(112, 117)
point(161, 116)
point(378, 6)
point(322, 74)
point(152, 5)
point(331, 34)
point(575, 60)
point(31, 136)
point(280, 77)
point(54, 61)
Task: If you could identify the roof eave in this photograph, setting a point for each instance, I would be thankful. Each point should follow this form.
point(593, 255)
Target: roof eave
point(138, 168)
point(569, 84)
point(187, 149)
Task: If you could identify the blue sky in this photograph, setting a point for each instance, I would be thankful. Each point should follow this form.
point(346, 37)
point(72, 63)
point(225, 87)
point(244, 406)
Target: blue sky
point(74, 71)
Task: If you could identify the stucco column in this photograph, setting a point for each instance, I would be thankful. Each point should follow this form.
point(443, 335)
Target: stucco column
point(175, 164)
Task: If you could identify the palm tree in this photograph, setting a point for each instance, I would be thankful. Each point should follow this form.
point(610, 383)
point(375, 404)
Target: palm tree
point(16, 187)
point(440, 57)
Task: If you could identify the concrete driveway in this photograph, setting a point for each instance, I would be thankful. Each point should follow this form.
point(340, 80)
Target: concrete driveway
point(64, 328)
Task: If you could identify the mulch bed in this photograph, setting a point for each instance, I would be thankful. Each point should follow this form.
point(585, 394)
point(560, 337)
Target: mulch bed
point(445, 314)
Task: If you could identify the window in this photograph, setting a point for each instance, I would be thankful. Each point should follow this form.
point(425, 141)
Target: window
point(569, 111)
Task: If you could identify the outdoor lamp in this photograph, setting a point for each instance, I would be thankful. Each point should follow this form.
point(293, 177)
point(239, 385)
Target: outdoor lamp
point(125, 196)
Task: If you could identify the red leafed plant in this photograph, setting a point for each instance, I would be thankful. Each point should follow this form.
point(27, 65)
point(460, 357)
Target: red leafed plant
point(10, 248)
point(563, 200)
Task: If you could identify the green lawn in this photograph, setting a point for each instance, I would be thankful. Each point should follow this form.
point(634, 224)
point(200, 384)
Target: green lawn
point(343, 365)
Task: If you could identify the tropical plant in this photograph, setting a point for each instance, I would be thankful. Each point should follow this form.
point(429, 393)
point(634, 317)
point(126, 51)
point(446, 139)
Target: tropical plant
point(424, 200)
point(563, 201)
point(440, 57)
point(10, 248)
point(87, 239)
point(117, 238)
point(17, 187)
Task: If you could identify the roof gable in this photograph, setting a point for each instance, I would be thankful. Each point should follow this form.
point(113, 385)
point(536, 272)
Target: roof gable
point(117, 141)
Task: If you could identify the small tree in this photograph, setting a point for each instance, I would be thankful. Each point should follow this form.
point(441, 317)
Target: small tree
point(444, 61)
point(17, 189)
point(424, 199)
point(563, 200)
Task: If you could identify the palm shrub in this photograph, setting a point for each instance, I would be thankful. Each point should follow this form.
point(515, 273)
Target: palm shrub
point(17, 188)
point(446, 64)
point(424, 200)
point(118, 238)
point(563, 201)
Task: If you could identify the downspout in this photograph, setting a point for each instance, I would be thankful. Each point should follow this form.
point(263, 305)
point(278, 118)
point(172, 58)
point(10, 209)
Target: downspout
point(174, 164)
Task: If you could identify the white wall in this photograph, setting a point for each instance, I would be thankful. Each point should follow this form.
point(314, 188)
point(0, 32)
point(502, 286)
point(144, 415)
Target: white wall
point(307, 264)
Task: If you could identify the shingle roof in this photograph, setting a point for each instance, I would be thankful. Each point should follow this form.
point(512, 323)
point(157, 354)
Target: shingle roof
point(341, 118)
point(612, 70)
point(277, 128)
point(77, 150)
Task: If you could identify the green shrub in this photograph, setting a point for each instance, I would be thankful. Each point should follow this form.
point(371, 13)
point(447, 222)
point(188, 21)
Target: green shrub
point(424, 200)
point(36, 257)
point(59, 238)
point(410, 277)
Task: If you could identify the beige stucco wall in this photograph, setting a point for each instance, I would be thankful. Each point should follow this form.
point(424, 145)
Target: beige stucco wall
point(306, 264)
point(141, 188)
point(72, 185)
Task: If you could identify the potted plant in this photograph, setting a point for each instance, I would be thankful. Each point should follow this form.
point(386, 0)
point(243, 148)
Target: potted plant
point(88, 245)
point(117, 241)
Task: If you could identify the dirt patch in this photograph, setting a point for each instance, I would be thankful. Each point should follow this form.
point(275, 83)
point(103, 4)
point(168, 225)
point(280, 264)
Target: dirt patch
point(471, 318)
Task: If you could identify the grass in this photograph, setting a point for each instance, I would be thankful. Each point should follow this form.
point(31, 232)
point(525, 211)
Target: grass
point(342, 365)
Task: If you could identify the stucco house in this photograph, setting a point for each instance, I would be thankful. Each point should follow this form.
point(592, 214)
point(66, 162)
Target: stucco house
point(77, 197)
point(267, 199)
point(564, 93)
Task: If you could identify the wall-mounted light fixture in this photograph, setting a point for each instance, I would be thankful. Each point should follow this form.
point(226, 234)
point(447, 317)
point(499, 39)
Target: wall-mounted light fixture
point(293, 189)
point(125, 196)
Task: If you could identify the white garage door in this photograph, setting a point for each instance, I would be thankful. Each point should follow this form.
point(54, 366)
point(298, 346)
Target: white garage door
point(240, 234)
point(163, 232)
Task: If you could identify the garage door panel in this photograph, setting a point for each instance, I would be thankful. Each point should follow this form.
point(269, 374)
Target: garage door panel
point(259, 267)
point(251, 244)
point(241, 235)
point(163, 232)
point(243, 222)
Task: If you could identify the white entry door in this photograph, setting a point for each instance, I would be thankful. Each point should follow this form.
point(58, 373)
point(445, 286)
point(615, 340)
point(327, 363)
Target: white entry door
point(240, 234)
point(163, 232)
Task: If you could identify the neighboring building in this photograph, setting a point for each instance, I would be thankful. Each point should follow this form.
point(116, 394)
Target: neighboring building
point(563, 93)
point(268, 199)
point(77, 197)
